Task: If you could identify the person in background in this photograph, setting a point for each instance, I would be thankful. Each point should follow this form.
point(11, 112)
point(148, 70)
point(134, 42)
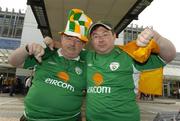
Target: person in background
point(13, 86)
point(60, 76)
point(1, 83)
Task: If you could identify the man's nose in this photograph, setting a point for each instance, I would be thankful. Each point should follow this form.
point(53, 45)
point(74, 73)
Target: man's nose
point(101, 38)
point(73, 42)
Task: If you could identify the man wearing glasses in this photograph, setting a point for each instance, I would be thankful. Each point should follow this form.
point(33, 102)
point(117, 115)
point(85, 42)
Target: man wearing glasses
point(57, 88)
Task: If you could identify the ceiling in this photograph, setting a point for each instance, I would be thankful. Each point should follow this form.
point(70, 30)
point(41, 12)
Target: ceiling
point(51, 15)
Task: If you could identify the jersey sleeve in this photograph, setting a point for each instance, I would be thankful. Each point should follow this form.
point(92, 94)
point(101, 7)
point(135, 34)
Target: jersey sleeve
point(153, 62)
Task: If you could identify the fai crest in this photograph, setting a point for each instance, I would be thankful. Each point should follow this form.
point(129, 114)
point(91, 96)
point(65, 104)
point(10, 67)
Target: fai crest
point(114, 66)
point(78, 70)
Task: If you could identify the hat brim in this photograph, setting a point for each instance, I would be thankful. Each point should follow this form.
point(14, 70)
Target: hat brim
point(73, 34)
point(99, 24)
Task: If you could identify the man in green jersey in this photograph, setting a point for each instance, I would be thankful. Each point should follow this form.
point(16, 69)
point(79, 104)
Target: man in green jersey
point(112, 74)
point(60, 77)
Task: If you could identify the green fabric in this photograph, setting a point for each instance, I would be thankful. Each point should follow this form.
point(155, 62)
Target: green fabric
point(50, 98)
point(81, 23)
point(77, 16)
point(114, 99)
point(71, 12)
point(72, 26)
point(31, 61)
point(154, 61)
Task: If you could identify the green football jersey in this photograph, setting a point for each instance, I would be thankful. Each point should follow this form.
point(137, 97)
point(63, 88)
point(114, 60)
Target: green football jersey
point(111, 84)
point(56, 91)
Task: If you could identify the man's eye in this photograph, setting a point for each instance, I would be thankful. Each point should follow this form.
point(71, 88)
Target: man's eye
point(95, 36)
point(78, 41)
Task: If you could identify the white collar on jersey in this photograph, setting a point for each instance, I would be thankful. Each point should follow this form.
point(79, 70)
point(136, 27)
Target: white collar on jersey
point(60, 54)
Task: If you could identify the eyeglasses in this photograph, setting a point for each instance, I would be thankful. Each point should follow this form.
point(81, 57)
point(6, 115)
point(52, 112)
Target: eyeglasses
point(103, 36)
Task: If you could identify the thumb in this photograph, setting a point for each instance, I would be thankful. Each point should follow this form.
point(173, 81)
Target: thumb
point(39, 56)
point(51, 46)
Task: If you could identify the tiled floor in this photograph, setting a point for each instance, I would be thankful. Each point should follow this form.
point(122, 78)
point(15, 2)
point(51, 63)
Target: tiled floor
point(11, 108)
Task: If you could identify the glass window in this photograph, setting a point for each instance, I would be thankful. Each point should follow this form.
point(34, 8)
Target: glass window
point(1, 20)
point(18, 33)
point(6, 21)
point(5, 32)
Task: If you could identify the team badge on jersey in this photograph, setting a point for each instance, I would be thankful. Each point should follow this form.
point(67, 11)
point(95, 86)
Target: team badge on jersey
point(78, 70)
point(114, 66)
